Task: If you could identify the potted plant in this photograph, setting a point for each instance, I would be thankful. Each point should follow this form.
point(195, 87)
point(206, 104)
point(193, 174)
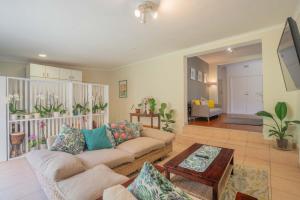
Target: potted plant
point(166, 117)
point(56, 109)
point(280, 127)
point(152, 105)
point(13, 110)
point(102, 106)
point(32, 142)
point(77, 109)
point(63, 112)
point(85, 108)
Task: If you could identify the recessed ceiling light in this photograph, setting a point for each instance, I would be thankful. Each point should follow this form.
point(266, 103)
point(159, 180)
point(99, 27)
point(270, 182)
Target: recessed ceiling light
point(229, 49)
point(42, 55)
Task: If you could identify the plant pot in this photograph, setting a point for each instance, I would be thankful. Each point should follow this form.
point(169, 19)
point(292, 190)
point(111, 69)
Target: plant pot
point(282, 143)
point(102, 111)
point(151, 112)
point(137, 110)
point(13, 116)
point(43, 146)
point(56, 114)
point(27, 116)
point(36, 115)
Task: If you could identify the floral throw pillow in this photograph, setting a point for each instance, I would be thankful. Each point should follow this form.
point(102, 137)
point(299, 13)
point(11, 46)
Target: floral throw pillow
point(118, 130)
point(151, 184)
point(69, 140)
point(134, 129)
point(110, 136)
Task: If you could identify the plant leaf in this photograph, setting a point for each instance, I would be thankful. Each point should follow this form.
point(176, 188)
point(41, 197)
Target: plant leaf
point(294, 121)
point(281, 110)
point(264, 114)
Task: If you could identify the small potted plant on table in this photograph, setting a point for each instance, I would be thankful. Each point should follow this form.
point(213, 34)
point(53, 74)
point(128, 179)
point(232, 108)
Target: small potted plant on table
point(279, 129)
point(152, 105)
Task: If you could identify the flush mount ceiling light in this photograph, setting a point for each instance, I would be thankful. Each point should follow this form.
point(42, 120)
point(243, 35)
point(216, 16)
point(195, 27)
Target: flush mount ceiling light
point(144, 9)
point(42, 55)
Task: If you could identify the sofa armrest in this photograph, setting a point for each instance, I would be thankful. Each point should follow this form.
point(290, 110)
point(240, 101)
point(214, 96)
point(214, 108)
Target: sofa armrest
point(164, 136)
point(200, 111)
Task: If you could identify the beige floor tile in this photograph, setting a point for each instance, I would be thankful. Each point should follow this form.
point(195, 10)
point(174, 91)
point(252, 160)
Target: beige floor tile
point(280, 195)
point(284, 185)
point(258, 145)
point(257, 163)
point(262, 154)
point(238, 136)
point(288, 158)
point(283, 171)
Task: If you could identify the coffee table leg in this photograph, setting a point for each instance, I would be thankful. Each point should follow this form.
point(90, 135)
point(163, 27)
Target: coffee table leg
point(168, 175)
point(232, 163)
point(215, 192)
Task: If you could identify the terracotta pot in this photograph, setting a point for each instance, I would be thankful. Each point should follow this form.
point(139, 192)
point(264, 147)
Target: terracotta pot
point(151, 112)
point(282, 143)
point(137, 110)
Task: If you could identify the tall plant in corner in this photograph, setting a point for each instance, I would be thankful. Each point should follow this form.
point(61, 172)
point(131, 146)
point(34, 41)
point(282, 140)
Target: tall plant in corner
point(280, 127)
point(166, 117)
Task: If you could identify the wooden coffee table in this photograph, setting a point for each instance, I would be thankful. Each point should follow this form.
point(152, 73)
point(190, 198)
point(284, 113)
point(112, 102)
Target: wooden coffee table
point(214, 176)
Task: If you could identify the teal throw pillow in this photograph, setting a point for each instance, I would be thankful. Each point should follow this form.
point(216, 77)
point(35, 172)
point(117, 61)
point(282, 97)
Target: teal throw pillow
point(151, 184)
point(96, 139)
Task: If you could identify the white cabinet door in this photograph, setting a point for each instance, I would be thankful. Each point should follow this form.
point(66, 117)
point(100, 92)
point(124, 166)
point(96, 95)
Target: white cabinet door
point(238, 97)
point(52, 72)
point(255, 94)
point(65, 74)
point(37, 70)
point(76, 75)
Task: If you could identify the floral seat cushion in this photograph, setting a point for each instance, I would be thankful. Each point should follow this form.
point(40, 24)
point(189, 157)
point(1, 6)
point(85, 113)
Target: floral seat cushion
point(69, 140)
point(151, 184)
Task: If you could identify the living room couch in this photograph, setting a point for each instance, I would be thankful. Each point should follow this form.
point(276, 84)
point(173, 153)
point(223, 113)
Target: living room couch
point(86, 175)
point(205, 111)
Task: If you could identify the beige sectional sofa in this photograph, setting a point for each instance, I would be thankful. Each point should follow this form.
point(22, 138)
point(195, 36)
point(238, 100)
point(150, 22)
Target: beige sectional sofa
point(86, 175)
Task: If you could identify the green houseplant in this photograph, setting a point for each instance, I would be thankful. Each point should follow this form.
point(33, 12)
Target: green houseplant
point(280, 127)
point(166, 117)
point(152, 105)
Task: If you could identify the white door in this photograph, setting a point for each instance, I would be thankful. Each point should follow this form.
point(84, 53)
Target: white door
point(246, 94)
point(52, 72)
point(255, 94)
point(238, 97)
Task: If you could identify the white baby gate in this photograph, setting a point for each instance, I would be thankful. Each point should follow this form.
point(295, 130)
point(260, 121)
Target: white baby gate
point(33, 130)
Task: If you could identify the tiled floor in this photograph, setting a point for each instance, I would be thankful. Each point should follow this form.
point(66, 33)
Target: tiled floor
point(250, 150)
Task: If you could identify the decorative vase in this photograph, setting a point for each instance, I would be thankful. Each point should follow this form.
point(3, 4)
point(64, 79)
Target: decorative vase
point(27, 116)
point(13, 116)
point(36, 115)
point(137, 110)
point(43, 146)
point(56, 114)
point(282, 143)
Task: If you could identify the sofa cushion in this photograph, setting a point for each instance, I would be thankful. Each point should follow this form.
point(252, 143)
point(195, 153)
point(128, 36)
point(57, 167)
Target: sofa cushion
point(163, 136)
point(96, 139)
point(90, 184)
point(140, 146)
point(55, 165)
point(69, 140)
point(110, 157)
point(151, 184)
point(117, 192)
point(118, 130)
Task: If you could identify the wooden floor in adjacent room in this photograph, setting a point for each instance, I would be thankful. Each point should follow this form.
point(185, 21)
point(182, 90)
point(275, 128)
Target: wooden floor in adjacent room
point(250, 150)
point(218, 122)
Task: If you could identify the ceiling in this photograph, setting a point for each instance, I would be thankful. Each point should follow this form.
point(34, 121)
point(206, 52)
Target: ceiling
point(105, 34)
point(225, 57)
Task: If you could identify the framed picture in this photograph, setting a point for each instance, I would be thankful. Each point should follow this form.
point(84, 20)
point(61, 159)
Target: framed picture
point(205, 77)
point(200, 77)
point(193, 73)
point(123, 89)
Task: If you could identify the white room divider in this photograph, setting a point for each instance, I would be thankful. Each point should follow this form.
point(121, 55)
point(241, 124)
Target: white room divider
point(28, 131)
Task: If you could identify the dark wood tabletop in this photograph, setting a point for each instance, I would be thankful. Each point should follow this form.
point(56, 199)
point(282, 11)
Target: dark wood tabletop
point(211, 176)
